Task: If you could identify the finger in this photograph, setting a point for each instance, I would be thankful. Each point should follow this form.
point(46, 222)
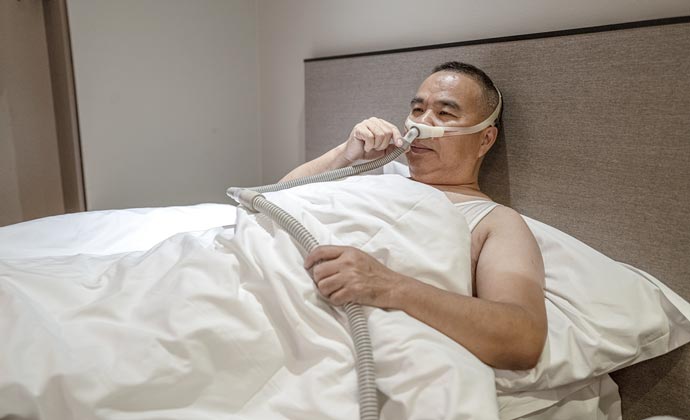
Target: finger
point(385, 141)
point(369, 143)
point(378, 135)
point(380, 130)
point(330, 285)
point(381, 135)
point(325, 269)
point(323, 253)
point(363, 134)
point(397, 137)
point(395, 131)
point(390, 134)
point(392, 128)
point(340, 297)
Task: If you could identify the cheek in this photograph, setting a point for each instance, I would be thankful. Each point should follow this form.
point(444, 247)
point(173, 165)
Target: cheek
point(454, 151)
point(460, 149)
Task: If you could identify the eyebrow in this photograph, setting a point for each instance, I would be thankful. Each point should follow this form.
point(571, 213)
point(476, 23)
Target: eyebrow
point(450, 104)
point(416, 100)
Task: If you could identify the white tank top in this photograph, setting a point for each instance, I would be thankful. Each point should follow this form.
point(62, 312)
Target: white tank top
point(475, 210)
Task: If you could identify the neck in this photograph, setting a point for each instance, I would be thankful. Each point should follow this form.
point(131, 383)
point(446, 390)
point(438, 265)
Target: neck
point(470, 189)
point(459, 182)
point(467, 185)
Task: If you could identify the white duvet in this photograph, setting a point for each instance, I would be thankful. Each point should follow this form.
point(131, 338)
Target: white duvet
point(228, 324)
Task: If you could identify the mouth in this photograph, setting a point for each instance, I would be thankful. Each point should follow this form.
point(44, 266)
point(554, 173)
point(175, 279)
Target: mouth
point(418, 148)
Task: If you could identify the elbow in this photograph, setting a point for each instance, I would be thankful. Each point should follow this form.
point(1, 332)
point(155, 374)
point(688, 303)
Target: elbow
point(521, 357)
point(529, 358)
point(525, 359)
point(532, 348)
point(518, 345)
point(531, 344)
point(524, 354)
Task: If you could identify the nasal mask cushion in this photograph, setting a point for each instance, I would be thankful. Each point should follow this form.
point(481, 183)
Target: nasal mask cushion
point(428, 131)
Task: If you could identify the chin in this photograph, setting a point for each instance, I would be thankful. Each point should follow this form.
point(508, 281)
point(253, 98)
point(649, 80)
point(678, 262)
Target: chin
point(419, 175)
point(431, 176)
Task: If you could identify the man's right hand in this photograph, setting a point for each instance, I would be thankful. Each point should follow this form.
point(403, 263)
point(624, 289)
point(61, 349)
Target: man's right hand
point(371, 139)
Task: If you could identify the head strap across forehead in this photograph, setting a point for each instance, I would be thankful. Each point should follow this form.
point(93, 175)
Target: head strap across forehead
point(427, 131)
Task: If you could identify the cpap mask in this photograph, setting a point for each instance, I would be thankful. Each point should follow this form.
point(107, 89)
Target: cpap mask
point(428, 131)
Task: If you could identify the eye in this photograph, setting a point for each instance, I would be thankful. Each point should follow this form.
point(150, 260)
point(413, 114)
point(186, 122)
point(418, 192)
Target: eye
point(417, 110)
point(446, 114)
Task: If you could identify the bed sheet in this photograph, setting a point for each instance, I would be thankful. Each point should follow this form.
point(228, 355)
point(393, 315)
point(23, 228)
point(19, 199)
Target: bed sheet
point(598, 400)
point(109, 232)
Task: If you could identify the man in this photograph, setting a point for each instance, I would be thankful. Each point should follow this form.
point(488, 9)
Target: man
point(504, 322)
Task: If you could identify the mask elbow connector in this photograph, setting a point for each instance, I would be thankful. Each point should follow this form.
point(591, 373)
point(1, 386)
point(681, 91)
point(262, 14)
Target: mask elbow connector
point(425, 131)
point(412, 134)
point(244, 196)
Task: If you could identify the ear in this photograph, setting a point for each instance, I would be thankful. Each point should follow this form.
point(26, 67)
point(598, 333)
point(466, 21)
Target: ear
point(488, 139)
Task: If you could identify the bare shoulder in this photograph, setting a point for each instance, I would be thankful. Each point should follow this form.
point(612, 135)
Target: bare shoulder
point(508, 246)
point(504, 215)
point(505, 221)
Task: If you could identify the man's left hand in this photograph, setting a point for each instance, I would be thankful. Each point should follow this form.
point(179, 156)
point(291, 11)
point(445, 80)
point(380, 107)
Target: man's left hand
point(345, 274)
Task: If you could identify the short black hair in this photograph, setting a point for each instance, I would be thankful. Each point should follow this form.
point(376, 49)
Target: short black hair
point(487, 86)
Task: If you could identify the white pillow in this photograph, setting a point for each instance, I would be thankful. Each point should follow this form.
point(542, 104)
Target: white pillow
point(603, 315)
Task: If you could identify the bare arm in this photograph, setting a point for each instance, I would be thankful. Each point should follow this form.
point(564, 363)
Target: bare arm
point(369, 139)
point(504, 326)
point(333, 159)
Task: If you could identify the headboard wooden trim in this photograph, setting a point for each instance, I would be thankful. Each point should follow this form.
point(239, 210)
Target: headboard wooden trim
point(535, 35)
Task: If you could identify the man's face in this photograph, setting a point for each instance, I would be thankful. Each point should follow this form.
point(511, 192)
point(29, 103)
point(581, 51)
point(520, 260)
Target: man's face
point(453, 100)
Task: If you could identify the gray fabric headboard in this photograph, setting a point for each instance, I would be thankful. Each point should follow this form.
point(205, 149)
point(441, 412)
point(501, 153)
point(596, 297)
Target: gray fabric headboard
point(595, 141)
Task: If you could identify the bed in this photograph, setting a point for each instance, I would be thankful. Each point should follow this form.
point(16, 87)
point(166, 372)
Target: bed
point(181, 363)
point(142, 314)
point(595, 142)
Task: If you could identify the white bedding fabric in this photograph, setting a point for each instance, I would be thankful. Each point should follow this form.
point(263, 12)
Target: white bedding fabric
point(120, 336)
point(233, 328)
point(108, 232)
point(603, 315)
point(598, 400)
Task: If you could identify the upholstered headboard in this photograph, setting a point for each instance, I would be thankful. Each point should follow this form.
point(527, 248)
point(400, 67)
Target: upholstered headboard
point(595, 141)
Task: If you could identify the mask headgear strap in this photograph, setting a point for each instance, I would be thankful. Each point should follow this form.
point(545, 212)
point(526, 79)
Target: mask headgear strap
point(427, 131)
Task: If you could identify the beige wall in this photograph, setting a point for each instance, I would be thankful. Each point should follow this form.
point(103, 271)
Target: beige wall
point(30, 184)
point(179, 99)
point(167, 94)
point(291, 30)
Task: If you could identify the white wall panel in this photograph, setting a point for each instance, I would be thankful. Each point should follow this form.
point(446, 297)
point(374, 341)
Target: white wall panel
point(167, 93)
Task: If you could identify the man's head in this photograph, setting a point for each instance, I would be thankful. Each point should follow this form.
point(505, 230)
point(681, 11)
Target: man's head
point(454, 95)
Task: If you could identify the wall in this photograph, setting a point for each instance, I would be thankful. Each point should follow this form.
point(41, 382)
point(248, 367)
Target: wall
point(30, 185)
point(292, 30)
point(179, 99)
point(167, 94)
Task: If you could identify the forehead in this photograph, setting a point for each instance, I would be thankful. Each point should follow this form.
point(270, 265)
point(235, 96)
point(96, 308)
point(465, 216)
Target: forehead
point(451, 86)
